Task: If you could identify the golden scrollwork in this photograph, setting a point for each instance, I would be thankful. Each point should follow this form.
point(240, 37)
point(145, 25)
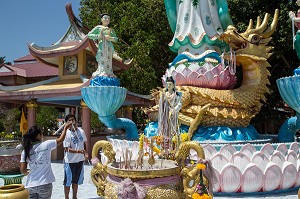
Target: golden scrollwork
point(99, 171)
point(190, 179)
point(234, 107)
point(189, 174)
point(31, 104)
point(83, 104)
point(184, 151)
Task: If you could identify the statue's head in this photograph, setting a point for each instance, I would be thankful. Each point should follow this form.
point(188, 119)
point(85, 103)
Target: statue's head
point(170, 83)
point(105, 19)
point(298, 2)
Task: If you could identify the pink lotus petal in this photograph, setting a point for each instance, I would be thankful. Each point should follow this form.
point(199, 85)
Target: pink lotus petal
point(206, 76)
point(215, 82)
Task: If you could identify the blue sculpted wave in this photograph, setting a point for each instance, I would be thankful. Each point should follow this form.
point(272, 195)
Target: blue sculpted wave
point(289, 90)
point(105, 101)
point(180, 57)
point(225, 133)
point(104, 81)
point(128, 125)
point(297, 71)
point(212, 133)
point(288, 129)
point(206, 40)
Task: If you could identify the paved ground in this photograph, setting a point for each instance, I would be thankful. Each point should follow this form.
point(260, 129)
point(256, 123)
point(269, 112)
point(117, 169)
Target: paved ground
point(88, 190)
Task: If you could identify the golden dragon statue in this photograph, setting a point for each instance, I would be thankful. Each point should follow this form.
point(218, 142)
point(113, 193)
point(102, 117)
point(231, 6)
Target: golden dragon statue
point(235, 107)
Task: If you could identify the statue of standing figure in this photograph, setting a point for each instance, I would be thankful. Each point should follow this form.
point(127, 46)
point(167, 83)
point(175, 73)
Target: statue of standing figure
point(169, 107)
point(197, 24)
point(105, 36)
point(296, 22)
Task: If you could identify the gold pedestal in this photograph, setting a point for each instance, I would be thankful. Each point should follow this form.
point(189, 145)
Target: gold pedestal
point(13, 191)
point(163, 180)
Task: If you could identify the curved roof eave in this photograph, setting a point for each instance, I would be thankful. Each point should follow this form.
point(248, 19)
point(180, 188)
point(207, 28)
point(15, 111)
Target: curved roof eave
point(25, 95)
point(84, 30)
point(74, 21)
point(34, 94)
point(43, 52)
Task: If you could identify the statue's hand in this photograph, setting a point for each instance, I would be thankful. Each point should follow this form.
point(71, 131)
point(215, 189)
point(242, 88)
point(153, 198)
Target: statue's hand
point(109, 38)
point(292, 14)
point(171, 113)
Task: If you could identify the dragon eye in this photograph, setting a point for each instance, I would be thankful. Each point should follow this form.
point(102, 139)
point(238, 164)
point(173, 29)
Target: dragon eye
point(255, 39)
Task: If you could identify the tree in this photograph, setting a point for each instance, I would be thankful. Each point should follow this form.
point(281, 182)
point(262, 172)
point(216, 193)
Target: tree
point(9, 119)
point(46, 118)
point(284, 59)
point(143, 33)
point(2, 61)
point(96, 124)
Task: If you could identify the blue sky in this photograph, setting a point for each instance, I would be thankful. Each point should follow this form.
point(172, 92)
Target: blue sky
point(25, 21)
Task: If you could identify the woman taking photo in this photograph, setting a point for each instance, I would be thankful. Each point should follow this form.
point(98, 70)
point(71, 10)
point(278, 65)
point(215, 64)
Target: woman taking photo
point(37, 154)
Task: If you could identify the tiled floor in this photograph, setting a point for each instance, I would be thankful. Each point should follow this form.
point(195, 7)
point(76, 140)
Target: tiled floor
point(88, 190)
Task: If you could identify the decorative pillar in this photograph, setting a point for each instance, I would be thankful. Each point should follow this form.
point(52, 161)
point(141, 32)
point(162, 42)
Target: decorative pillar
point(86, 125)
point(31, 113)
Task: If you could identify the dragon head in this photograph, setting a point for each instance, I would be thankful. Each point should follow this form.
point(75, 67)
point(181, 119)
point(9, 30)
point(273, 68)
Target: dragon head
point(254, 40)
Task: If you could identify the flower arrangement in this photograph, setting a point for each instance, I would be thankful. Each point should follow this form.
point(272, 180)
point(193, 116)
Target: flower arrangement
point(158, 139)
point(201, 191)
point(184, 137)
point(156, 150)
point(141, 142)
point(174, 139)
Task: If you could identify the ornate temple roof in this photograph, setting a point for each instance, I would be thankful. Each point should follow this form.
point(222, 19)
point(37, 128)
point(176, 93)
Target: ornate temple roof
point(26, 58)
point(34, 68)
point(59, 92)
point(56, 90)
point(9, 70)
point(28, 66)
point(72, 42)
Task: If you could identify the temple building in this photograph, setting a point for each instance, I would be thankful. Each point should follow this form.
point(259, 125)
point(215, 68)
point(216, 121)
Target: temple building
point(24, 71)
point(54, 76)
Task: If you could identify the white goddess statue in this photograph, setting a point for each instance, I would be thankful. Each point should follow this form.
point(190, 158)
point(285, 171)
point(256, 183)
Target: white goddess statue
point(105, 36)
point(197, 24)
point(169, 107)
point(296, 22)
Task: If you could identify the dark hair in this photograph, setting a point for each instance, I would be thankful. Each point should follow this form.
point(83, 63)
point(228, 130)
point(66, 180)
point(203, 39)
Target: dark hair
point(69, 116)
point(29, 138)
point(101, 15)
point(170, 79)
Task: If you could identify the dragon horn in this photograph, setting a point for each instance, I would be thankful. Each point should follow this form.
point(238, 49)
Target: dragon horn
point(272, 28)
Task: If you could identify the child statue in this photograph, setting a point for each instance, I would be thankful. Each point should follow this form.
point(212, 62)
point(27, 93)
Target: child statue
point(105, 36)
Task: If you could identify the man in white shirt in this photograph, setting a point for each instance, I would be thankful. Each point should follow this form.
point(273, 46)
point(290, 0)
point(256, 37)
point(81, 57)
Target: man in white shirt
point(75, 155)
